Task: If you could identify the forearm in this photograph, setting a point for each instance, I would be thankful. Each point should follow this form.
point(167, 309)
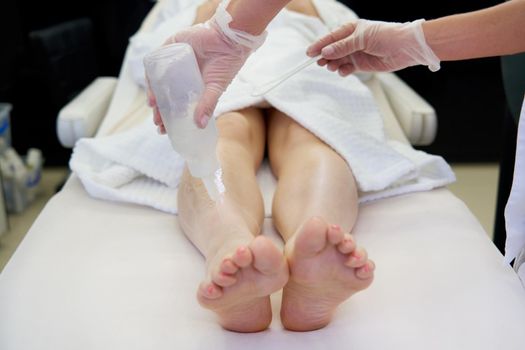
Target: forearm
point(252, 16)
point(499, 30)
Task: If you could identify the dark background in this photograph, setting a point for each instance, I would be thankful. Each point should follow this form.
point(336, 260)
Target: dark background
point(52, 49)
point(467, 95)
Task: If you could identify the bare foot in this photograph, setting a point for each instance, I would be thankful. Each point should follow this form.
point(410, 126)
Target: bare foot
point(326, 268)
point(241, 283)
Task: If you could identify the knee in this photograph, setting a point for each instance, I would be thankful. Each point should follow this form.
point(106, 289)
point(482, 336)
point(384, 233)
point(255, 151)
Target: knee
point(234, 127)
point(289, 140)
point(296, 142)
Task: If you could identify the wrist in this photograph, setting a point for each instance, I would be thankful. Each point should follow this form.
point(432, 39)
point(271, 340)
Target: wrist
point(431, 35)
point(223, 21)
point(425, 54)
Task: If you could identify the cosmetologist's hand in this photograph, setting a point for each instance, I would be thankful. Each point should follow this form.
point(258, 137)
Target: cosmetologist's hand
point(220, 52)
point(367, 46)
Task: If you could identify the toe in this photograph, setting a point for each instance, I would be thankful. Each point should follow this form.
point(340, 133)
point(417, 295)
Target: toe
point(347, 245)
point(311, 238)
point(358, 258)
point(242, 257)
point(224, 280)
point(366, 271)
point(210, 290)
point(267, 258)
point(228, 266)
point(335, 234)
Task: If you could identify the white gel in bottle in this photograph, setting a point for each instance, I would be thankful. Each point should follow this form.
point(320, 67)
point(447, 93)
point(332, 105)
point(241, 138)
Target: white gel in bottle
point(174, 76)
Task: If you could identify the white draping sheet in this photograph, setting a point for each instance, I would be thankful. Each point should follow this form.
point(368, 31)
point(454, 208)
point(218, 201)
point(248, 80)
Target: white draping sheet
point(341, 112)
point(93, 274)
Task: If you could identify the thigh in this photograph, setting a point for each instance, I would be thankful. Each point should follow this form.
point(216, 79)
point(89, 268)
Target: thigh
point(244, 129)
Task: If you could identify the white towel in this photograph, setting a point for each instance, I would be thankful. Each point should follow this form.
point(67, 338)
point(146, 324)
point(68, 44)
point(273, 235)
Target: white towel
point(341, 112)
point(136, 166)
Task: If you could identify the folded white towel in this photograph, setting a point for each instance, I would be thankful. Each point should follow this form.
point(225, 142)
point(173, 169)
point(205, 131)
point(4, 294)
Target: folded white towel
point(136, 166)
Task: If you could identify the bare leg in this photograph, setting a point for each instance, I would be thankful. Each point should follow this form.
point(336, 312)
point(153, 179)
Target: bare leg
point(242, 270)
point(315, 187)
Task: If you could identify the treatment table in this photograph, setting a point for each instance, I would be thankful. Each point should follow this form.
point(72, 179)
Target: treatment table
point(93, 274)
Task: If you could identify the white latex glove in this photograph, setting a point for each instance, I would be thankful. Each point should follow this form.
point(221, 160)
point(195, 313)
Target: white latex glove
point(368, 46)
point(220, 52)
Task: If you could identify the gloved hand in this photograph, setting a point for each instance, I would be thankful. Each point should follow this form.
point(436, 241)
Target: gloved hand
point(220, 52)
point(374, 46)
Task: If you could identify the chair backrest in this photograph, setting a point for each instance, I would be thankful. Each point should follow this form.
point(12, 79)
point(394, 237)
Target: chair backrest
point(64, 54)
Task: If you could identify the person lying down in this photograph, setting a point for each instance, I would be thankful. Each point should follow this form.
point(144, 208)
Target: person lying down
point(324, 140)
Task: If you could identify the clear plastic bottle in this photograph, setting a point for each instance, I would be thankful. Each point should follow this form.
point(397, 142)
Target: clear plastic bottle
point(174, 76)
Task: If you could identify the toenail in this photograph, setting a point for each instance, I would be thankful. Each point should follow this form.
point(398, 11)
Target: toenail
point(336, 227)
